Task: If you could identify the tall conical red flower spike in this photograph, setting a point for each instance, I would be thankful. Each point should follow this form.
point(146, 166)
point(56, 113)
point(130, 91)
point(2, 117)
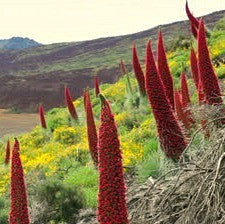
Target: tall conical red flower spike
point(194, 31)
point(138, 71)
point(97, 89)
point(192, 19)
point(42, 117)
point(201, 95)
point(164, 70)
point(207, 75)
point(179, 110)
point(194, 67)
point(170, 134)
point(186, 101)
point(70, 104)
point(85, 98)
point(7, 153)
point(124, 72)
point(111, 197)
point(91, 130)
point(18, 194)
point(201, 100)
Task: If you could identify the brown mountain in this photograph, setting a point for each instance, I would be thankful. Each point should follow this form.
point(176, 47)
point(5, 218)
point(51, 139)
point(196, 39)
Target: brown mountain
point(38, 75)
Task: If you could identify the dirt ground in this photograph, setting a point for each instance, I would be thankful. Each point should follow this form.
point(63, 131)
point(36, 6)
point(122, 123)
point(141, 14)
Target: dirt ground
point(15, 124)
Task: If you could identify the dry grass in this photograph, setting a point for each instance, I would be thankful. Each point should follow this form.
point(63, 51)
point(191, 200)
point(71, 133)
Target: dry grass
point(192, 192)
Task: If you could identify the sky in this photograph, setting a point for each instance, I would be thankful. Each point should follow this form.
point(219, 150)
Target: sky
point(54, 21)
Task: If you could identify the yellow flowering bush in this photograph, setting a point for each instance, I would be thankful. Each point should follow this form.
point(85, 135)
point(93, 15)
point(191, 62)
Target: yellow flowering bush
point(115, 91)
point(132, 152)
point(121, 118)
point(67, 135)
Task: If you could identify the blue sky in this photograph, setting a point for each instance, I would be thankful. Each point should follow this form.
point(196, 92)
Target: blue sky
point(51, 21)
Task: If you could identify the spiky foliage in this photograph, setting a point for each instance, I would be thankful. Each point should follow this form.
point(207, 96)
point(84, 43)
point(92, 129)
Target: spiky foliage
point(179, 110)
point(18, 194)
point(7, 153)
point(111, 197)
point(70, 104)
point(207, 74)
point(138, 71)
point(170, 134)
point(164, 70)
point(124, 72)
point(194, 67)
point(97, 88)
point(42, 117)
point(91, 129)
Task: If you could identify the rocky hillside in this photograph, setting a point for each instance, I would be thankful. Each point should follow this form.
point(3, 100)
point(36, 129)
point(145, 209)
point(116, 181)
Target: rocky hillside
point(18, 43)
point(38, 75)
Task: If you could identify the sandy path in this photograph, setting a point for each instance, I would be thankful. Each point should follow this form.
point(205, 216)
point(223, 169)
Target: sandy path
point(15, 124)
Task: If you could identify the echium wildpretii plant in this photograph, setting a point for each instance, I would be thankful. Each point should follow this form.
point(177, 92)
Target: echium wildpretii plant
point(111, 197)
point(18, 194)
point(7, 153)
point(164, 71)
point(171, 137)
point(42, 117)
point(70, 104)
point(91, 129)
point(186, 100)
point(138, 71)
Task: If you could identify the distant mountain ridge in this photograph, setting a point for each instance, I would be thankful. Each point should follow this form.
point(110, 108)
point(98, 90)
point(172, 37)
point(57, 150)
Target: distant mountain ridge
point(18, 43)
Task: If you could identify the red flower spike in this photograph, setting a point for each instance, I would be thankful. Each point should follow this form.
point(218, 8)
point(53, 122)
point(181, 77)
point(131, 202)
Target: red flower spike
point(97, 89)
point(18, 194)
point(123, 67)
point(111, 197)
point(186, 102)
point(7, 153)
point(164, 70)
point(170, 134)
point(194, 22)
point(179, 110)
point(42, 117)
point(207, 75)
point(201, 95)
point(201, 100)
point(138, 71)
point(70, 104)
point(194, 67)
point(194, 31)
point(91, 130)
point(85, 97)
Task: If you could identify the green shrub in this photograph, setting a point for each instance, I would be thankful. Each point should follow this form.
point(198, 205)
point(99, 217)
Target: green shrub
point(149, 167)
point(57, 117)
point(4, 211)
point(220, 25)
point(85, 178)
point(63, 201)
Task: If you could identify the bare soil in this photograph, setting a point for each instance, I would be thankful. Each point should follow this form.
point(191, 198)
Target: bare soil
point(15, 124)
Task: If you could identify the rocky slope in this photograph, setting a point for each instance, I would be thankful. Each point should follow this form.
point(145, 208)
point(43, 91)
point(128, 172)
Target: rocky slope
point(38, 75)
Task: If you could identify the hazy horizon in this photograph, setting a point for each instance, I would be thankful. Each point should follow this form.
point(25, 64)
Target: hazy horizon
point(54, 21)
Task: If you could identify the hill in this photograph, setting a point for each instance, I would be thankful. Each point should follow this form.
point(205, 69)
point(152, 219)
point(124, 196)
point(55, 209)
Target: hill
point(18, 43)
point(38, 75)
point(58, 165)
